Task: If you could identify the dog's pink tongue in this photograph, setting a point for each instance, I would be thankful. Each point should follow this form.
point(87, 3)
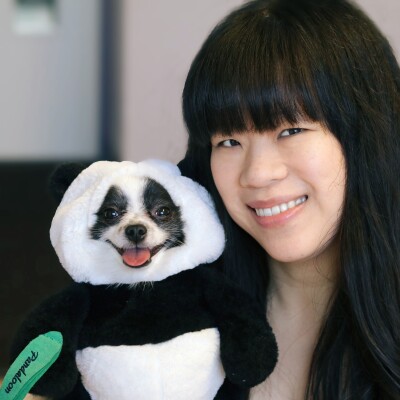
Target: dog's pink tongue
point(136, 257)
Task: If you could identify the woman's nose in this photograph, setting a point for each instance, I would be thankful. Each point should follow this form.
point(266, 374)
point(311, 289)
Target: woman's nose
point(262, 167)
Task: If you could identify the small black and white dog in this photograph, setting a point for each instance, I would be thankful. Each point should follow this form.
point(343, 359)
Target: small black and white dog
point(189, 334)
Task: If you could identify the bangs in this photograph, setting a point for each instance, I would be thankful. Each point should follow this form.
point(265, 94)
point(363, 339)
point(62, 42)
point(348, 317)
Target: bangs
point(257, 91)
point(237, 83)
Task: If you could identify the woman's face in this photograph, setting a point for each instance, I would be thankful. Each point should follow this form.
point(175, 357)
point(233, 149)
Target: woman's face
point(284, 187)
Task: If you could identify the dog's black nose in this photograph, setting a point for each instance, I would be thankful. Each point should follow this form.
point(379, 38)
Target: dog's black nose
point(135, 233)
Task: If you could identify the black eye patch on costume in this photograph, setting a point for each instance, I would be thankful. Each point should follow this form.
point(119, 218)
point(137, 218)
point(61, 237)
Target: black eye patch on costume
point(112, 209)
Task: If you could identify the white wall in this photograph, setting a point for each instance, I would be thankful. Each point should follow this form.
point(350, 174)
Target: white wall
point(159, 40)
point(49, 85)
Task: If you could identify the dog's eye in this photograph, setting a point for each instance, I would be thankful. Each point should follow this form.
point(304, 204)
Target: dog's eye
point(162, 212)
point(110, 213)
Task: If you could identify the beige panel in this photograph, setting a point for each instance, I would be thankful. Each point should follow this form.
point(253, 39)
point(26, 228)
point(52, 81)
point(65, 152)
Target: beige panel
point(159, 41)
point(386, 14)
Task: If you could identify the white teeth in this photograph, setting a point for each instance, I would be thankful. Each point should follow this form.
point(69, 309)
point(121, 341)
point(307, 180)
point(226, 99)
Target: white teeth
point(284, 207)
point(276, 210)
point(268, 212)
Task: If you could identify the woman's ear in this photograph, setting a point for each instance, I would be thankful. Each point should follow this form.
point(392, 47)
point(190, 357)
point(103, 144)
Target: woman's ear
point(62, 177)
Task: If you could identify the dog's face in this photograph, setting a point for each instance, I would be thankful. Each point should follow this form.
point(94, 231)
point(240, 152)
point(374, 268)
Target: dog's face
point(138, 219)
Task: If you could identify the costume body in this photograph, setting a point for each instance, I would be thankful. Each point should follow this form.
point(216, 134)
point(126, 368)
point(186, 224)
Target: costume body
point(153, 326)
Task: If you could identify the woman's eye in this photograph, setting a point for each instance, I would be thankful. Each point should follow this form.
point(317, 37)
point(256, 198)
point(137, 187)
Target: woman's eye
point(110, 213)
point(228, 143)
point(290, 132)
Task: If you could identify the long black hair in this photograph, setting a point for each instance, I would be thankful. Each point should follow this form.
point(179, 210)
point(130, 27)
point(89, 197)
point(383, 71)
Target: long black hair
point(271, 61)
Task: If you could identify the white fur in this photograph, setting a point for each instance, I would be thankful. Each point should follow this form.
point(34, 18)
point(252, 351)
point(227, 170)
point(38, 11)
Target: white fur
point(96, 262)
point(186, 367)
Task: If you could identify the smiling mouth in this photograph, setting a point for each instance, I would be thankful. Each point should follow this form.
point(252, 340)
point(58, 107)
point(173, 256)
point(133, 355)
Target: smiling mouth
point(137, 257)
point(280, 208)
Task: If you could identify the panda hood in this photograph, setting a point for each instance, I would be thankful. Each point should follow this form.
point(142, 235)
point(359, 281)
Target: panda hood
point(96, 262)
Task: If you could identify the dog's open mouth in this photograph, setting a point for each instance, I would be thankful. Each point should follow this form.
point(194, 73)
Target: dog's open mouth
point(137, 257)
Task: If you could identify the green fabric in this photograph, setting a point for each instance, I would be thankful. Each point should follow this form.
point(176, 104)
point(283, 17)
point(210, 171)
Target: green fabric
point(30, 365)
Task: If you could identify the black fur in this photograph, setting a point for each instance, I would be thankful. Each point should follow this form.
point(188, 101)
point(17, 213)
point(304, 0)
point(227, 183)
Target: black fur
point(116, 201)
point(155, 198)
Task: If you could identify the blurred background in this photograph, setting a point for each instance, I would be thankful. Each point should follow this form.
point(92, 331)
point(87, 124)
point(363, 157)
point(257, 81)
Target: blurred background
point(87, 80)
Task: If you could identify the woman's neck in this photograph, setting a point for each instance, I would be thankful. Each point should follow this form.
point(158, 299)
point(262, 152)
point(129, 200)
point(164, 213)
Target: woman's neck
point(304, 287)
point(298, 299)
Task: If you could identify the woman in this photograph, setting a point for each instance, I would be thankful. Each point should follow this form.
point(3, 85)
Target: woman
point(293, 113)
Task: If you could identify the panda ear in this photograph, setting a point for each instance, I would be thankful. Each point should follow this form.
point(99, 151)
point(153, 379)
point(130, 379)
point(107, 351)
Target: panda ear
point(62, 177)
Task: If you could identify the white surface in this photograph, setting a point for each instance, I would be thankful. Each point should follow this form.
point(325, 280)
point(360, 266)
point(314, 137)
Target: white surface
point(186, 367)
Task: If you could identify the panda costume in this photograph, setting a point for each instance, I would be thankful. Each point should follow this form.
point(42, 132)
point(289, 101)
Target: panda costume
point(149, 315)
